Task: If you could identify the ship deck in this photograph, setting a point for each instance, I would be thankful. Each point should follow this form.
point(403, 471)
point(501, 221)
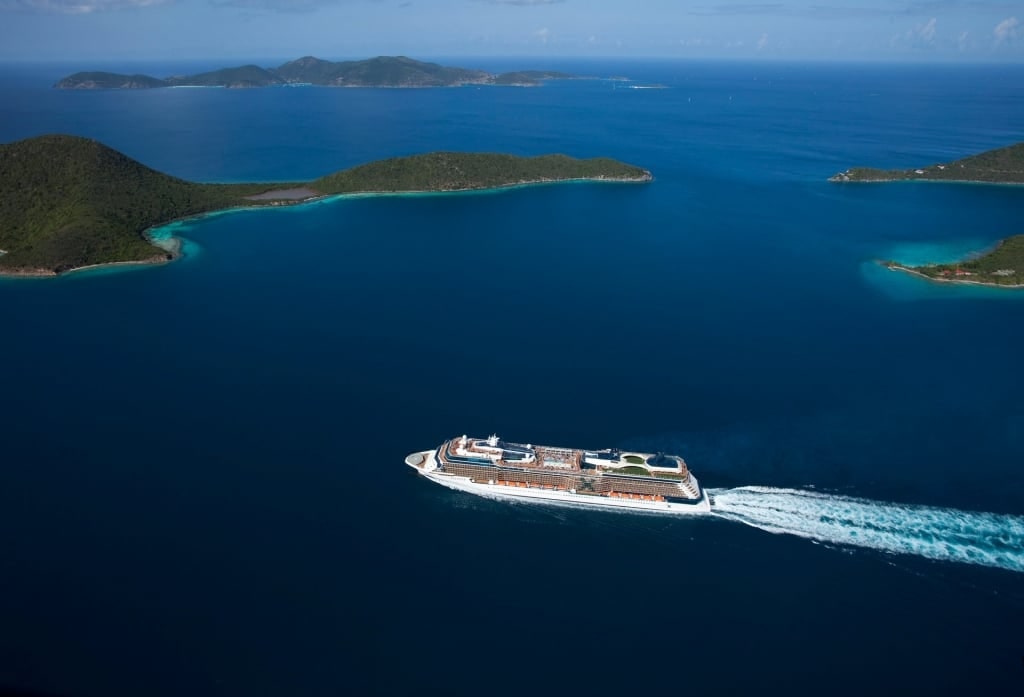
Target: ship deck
point(552, 460)
point(513, 466)
point(546, 458)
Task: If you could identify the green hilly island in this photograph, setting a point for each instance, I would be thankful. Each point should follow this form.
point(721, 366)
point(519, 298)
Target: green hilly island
point(382, 71)
point(999, 166)
point(1001, 266)
point(242, 76)
point(71, 202)
point(98, 80)
point(454, 171)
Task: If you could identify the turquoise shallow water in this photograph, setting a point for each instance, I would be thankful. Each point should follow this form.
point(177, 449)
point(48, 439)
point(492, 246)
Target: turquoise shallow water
point(204, 468)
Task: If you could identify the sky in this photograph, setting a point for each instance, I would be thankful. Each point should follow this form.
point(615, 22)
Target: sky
point(811, 30)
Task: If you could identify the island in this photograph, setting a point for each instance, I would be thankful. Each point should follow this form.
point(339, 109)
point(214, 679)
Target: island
point(71, 202)
point(1001, 266)
point(382, 71)
point(999, 166)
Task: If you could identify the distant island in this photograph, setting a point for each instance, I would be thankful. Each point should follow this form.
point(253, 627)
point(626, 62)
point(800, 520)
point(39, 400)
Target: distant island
point(999, 166)
point(70, 202)
point(382, 71)
point(1002, 266)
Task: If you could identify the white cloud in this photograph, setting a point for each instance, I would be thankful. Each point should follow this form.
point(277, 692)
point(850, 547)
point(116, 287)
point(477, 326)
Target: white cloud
point(1007, 30)
point(963, 42)
point(542, 34)
point(926, 31)
point(921, 36)
point(75, 7)
point(762, 42)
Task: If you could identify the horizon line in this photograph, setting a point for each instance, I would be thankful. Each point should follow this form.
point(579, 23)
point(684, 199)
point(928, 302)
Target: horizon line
point(427, 57)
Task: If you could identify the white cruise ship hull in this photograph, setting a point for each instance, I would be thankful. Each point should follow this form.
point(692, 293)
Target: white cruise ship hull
point(421, 462)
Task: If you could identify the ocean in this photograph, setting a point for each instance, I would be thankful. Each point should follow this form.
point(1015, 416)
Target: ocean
point(202, 487)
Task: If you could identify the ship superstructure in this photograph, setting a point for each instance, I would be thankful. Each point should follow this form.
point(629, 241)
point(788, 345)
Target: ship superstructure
point(610, 478)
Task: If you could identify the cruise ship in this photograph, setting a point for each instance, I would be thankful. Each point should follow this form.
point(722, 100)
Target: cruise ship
point(606, 478)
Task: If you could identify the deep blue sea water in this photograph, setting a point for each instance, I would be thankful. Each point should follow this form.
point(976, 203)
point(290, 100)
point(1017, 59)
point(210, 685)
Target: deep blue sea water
point(202, 488)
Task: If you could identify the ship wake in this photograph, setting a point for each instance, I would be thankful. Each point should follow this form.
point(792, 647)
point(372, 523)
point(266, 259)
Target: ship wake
point(948, 534)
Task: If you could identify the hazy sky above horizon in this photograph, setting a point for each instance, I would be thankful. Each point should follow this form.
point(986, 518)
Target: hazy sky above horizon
point(893, 30)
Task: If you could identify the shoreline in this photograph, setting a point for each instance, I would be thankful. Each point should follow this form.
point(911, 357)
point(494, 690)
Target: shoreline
point(836, 179)
point(954, 281)
point(648, 177)
point(173, 245)
point(47, 273)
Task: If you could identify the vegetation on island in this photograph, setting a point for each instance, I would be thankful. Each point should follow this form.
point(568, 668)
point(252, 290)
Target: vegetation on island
point(999, 166)
point(1001, 266)
point(310, 69)
point(95, 80)
point(457, 171)
point(242, 76)
point(382, 71)
point(528, 78)
point(394, 71)
point(70, 202)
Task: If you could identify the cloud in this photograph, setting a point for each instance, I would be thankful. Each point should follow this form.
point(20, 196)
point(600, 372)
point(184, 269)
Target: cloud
point(543, 34)
point(75, 7)
point(1007, 30)
point(920, 36)
point(926, 32)
point(762, 42)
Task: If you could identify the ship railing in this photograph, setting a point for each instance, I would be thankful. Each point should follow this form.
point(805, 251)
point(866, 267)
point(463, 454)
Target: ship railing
point(466, 460)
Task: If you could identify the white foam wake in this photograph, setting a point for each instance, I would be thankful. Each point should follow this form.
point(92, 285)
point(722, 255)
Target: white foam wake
point(989, 539)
